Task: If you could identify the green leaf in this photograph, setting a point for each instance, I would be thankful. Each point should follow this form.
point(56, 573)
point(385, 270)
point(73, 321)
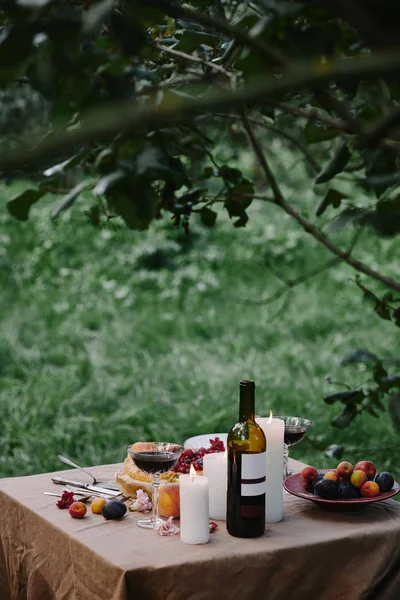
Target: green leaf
point(315, 133)
point(136, 204)
point(241, 192)
point(347, 397)
point(208, 216)
point(20, 205)
point(15, 49)
point(191, 40)
point(379, 372)
point(332, 197)
point(108, 182)
point(336, 164)
point(65, 165)
point(394, 409)
point(334, 451)
point(359, 356)
point(347, 415)
point(95, 16)
point(68, 199)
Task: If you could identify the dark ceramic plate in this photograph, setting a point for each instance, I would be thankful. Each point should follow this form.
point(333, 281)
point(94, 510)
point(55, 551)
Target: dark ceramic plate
point(296, 486)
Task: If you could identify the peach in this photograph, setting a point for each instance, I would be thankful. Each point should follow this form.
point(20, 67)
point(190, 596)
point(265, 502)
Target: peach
point(358, 478)
point(77, 510)
point(308, 474)
point(331, 475)
point(369, 489)
point(97, 505)
point(168, 500)
point(367, 466)
point(345, 469)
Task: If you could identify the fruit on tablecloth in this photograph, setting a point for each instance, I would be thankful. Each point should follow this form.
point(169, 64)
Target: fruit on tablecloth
point(369, 489)
point(348, 491)
point(345, 469)
point(331, 475)
point(385, 481)
point(97, 505)
point(113, 510)
point(327, 489)
point(309, 473)
point(358, 477)
point(169, 501)
point(367, 466)
point(77, 510)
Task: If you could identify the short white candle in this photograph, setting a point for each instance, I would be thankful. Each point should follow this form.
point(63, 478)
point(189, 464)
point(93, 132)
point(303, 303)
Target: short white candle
point(274, 430)
point(194, 508)
point(215, 469)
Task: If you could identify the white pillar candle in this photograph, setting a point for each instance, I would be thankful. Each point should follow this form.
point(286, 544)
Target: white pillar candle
point(274, 430)
point(194, 508)
point(215, 468)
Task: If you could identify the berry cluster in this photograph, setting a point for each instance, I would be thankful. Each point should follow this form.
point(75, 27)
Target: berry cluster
point(195, 457)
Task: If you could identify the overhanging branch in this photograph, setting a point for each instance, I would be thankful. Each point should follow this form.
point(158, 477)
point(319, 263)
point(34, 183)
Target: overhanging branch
point(104, 124)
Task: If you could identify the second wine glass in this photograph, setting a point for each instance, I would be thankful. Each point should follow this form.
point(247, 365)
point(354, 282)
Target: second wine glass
point(295, 429)
point(155, 458)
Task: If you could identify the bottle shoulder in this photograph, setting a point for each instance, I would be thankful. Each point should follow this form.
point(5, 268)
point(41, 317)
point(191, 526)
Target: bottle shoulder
point(247, 435)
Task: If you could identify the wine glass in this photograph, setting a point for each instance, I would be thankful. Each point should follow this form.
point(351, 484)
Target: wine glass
point(295, 429)
point(155, 458)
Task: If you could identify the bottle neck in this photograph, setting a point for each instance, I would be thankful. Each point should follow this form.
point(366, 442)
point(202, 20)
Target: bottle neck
point(246, 405)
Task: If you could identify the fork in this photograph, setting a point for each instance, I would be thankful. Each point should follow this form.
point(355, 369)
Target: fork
point(69, 462)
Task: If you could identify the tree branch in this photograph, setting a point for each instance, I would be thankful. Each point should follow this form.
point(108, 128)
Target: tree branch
point(103, 124)
point(307, 225)
point(195, 59)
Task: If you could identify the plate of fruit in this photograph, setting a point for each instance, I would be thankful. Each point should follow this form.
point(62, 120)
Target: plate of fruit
point(346, 487)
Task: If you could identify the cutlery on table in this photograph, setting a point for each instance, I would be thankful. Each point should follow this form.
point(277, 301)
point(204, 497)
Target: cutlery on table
point(82, 498)
point(108, 485)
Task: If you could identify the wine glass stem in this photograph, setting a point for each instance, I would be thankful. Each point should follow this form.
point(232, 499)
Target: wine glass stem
point(155, 488)
point(285, 460)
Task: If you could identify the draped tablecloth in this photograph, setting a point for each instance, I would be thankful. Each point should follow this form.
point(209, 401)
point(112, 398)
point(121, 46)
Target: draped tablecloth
point(313, 554)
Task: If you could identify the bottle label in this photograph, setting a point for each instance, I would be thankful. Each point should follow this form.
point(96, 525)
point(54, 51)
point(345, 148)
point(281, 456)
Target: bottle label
point(254, 471)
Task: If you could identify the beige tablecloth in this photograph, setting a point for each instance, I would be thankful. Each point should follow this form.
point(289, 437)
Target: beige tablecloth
point(311, 554)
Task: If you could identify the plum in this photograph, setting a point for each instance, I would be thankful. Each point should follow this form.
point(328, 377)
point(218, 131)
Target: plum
point(385, 481)
point(113, 509)
point(348, 491)
point(327, 489)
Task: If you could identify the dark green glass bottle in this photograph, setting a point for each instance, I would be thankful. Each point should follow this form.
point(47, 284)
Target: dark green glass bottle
point(247, 465)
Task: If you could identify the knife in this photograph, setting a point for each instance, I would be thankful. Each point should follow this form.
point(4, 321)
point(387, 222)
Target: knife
point(85, 486)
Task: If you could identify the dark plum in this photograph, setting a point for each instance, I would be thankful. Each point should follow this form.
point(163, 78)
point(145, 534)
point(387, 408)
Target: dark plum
point(327, 489)
point(348, 491)
point(113, 509)
point(385, 481)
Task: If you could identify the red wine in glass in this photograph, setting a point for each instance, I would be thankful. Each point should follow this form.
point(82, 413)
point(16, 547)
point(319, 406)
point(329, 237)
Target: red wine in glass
point(159, 457)
point(154, 462)
point(295, 429)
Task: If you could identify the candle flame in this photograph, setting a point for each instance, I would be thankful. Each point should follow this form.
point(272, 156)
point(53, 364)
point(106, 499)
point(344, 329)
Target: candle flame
point(270, 417)
point(192, 472)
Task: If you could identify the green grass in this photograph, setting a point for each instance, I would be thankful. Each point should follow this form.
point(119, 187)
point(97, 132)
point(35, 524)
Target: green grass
point(112, 336)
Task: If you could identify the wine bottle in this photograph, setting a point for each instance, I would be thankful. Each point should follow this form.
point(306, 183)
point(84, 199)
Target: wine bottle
point(247, 465)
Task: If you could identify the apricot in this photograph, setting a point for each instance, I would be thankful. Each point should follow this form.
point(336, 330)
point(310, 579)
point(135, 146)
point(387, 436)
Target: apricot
point(345, 469)
point(97, 505)
point(308, 474)
point(367, 466)
point(77, 510)
point(169, 500)
point(331, 475)
point(358, 477)
point(369, 489)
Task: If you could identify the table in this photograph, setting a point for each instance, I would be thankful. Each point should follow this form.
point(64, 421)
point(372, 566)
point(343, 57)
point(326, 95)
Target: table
point(313, 554)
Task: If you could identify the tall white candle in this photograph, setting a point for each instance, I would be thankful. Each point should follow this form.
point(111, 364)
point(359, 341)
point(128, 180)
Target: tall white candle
point(274, 430)
point(194, 508)
point(215, 468)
